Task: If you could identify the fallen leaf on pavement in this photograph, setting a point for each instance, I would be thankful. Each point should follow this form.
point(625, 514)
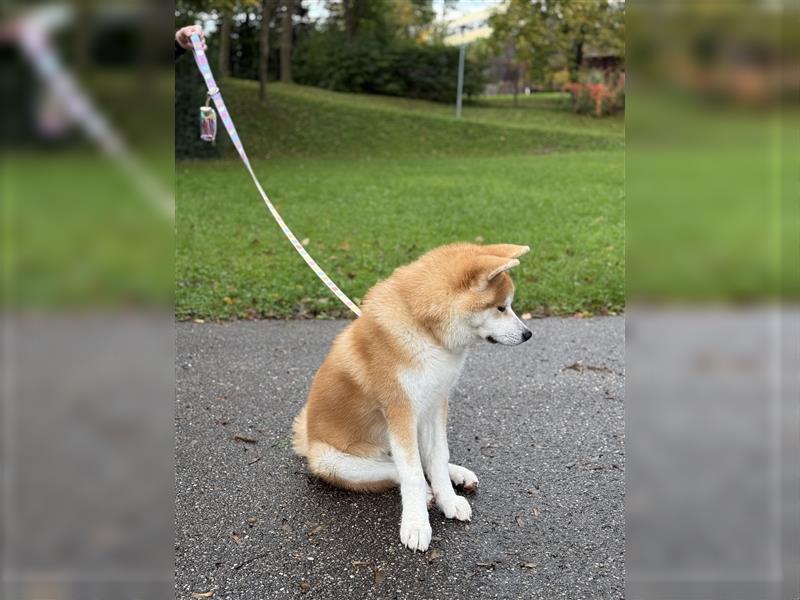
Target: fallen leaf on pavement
point(240, 437)
point(378, 575)
point(202, 594)
point(536, 512)
point(236, 537)
point(580, 367)
point(434, 554)
point(528, 566)
point(520, 522)
point(304, 587)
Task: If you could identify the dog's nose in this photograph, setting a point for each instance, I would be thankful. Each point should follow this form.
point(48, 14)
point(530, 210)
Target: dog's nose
point(526, 335)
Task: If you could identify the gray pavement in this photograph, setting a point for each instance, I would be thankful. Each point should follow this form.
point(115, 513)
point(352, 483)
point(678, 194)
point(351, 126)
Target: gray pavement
point(546, 441)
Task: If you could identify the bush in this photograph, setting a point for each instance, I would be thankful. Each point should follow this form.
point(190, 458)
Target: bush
point(600, 98)
point(366, 65)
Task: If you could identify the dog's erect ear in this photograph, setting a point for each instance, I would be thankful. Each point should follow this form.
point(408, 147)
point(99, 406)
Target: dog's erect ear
point(485, 268)
point(506, 250)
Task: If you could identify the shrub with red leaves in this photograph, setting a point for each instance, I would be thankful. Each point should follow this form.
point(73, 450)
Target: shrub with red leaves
point(598, 99)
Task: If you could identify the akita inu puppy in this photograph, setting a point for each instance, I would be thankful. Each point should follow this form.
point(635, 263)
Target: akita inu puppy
point(376, 415)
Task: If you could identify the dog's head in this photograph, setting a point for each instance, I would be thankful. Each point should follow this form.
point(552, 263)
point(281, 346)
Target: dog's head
point(462, 293)
point(484, 306)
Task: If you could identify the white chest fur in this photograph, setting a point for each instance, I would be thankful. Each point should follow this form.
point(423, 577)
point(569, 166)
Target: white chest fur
point(430, 383)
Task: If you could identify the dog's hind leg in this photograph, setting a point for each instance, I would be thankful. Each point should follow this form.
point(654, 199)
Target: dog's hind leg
point(372, 473)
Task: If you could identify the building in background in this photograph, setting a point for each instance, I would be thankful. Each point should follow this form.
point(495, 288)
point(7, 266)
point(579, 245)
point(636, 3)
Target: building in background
point(470, 26)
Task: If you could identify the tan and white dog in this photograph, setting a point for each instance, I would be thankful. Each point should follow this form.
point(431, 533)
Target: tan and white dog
point(376, 414)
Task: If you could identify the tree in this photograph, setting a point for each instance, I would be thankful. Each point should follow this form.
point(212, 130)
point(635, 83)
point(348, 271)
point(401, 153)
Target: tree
point(600, 23)
point(349, 19)
point(412, 19)
point(286, 41)
point(225, 11)
point(263, 48)
point(225, 29)
point(359, 18)
point(548, 35)
point(524, 35)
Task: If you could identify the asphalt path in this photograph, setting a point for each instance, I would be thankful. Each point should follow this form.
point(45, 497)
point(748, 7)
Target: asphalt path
point(542, 425)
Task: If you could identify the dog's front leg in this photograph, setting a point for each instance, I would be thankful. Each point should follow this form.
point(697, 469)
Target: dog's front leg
point(437, 456)
point(415, 528)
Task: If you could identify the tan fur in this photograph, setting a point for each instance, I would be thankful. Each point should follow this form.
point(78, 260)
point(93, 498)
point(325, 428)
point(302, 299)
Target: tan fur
point(506, 250)
point(356, 397)
point(300, 434)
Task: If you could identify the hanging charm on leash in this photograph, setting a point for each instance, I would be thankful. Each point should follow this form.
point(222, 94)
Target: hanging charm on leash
point(208, 122)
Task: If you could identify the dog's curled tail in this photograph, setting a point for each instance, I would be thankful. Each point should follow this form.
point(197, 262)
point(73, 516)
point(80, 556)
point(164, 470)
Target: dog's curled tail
point(300, 437)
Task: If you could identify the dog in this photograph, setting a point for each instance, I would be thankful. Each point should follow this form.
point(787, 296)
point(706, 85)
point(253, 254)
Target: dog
point(376, 414)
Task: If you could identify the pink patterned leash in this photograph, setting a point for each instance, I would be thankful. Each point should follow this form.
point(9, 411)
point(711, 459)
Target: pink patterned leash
point(214, 93)
point(34, 42)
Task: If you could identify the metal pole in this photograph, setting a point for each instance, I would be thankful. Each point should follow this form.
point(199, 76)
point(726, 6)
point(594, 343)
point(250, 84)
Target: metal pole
point(461, 52)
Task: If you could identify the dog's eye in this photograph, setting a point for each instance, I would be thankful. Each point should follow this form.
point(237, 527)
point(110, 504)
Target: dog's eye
point(501, 308)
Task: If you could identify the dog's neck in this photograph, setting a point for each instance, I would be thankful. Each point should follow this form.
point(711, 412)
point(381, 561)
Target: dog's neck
point(458, 340)
point(418, 341)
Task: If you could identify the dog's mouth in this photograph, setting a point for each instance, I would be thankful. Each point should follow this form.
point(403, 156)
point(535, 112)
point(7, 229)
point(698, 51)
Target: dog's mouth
point(491, 340)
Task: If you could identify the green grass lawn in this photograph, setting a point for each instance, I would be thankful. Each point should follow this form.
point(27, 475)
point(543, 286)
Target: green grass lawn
point(373, 182)
point(544, 114)
point(306, 122)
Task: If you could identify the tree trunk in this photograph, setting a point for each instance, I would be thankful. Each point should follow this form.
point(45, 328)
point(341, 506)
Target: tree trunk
point(225, 44)
point(577, 59)
point(263, 50)
point(286, 42)
point(349, 19)
point(516, 88)
point(82, 26)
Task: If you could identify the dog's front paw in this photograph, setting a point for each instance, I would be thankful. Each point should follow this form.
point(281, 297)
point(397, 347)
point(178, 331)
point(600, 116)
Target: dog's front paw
point(456, 507)
point(415, 534)
point(463, 477)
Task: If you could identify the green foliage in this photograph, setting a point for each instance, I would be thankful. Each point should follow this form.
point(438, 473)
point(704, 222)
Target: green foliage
point(412, 18)
point(385, 20)
point(544, 37)
point(370, 65)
